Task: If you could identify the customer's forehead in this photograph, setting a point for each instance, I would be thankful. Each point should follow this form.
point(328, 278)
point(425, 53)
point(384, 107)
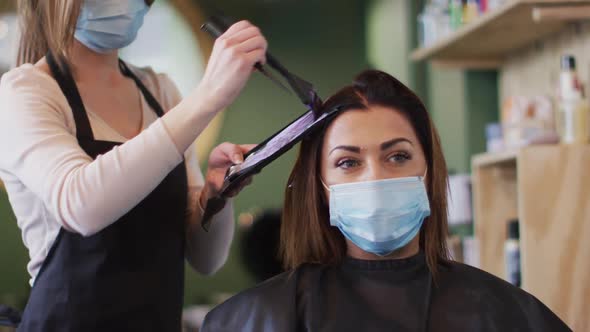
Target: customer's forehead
point(365, 127)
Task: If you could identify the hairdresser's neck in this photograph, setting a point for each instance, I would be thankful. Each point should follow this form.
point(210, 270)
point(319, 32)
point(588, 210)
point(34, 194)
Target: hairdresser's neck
point(89, 65)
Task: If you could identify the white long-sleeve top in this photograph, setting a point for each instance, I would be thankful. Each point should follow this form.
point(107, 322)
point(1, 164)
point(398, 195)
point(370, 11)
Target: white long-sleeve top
point(52, 183)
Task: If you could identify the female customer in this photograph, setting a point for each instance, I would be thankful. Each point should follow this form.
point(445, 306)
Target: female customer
point(364, 229)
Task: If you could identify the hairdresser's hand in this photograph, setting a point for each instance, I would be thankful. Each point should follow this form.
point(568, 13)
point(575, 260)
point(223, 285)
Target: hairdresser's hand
point(220, 159)
point(231, 63)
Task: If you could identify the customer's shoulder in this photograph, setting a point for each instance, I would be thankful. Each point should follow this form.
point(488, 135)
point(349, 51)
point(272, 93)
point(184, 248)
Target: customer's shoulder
point(463, 288)
point(269, 306)
point(458, 275)
point(263, 294)
point(265, 307)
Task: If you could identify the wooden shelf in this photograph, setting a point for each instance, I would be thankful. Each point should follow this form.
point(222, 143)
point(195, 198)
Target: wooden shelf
point(491, 159)
point(553, 198)
point(545, 188)
point(486, 42)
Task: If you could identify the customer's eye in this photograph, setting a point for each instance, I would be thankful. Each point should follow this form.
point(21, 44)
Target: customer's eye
point(400, 157)
point(347, 163)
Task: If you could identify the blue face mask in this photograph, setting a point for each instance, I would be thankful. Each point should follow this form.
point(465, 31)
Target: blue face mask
point(106, 25)
point(379, 216)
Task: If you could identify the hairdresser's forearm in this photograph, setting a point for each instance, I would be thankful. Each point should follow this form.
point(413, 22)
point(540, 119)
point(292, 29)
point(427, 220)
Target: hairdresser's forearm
point(188, 119)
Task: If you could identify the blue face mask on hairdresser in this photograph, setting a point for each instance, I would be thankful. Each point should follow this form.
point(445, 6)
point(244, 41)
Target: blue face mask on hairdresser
point(106, 25)
point(379, 216)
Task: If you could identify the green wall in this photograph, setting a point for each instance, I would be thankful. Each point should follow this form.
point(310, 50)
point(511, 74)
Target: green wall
point(446, 96)
point(462, 103)
point(14, 277)
point(388, 40)
point(482, 102)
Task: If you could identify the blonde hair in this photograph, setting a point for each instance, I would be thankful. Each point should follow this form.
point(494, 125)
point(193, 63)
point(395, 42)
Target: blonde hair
point(46, 26)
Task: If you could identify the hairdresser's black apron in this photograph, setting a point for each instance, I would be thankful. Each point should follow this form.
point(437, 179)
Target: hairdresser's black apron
point(127, 277)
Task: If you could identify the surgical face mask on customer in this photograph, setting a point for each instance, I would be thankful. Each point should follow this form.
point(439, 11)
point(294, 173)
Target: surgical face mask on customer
point(107, 25)
point(379, 216)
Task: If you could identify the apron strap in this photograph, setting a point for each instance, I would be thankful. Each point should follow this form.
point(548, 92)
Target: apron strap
point(68, 86)
point(149, 98)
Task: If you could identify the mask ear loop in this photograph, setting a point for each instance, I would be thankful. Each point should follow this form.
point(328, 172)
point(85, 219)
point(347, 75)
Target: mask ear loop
point(325, 197)
point(424, 177)
point(324, 184)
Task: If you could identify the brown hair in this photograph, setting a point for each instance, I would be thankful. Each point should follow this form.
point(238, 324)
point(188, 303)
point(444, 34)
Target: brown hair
point(46, 26)
point(306, 236)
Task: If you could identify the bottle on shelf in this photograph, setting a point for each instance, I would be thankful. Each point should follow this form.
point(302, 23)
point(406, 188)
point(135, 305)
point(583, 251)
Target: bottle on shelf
point(512, 253)
point(434, 22)
point(470, 11)
point(494, 4)
point(573, 109)
point(494, 138)
point(426, 26)
point(456, 14)
point(483, 6)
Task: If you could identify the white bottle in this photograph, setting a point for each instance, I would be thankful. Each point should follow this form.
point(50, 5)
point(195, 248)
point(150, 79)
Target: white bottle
point(573, 109)
point(495, 4)
point(572, 121)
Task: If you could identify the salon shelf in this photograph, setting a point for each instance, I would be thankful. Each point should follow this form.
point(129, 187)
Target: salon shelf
point(486, 42)
point(547, 189)
point(491, 159)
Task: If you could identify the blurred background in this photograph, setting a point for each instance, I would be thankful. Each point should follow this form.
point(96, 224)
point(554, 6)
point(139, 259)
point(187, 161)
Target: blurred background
point(491, 73)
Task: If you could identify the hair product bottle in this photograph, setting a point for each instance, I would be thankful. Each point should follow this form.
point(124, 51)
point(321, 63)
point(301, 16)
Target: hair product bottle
point(512, 254)
point(572, 111)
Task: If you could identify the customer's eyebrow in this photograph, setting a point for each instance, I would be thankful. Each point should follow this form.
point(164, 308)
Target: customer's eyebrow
point(350, 148)
point(383, 146)
point(395, 141)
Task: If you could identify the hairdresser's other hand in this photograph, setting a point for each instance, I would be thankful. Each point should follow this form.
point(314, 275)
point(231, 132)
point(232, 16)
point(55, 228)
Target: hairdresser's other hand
point(220, 159)
point(231, 63)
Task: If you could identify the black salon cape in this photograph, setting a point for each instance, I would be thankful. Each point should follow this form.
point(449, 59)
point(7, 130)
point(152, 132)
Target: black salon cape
point(392, 295)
